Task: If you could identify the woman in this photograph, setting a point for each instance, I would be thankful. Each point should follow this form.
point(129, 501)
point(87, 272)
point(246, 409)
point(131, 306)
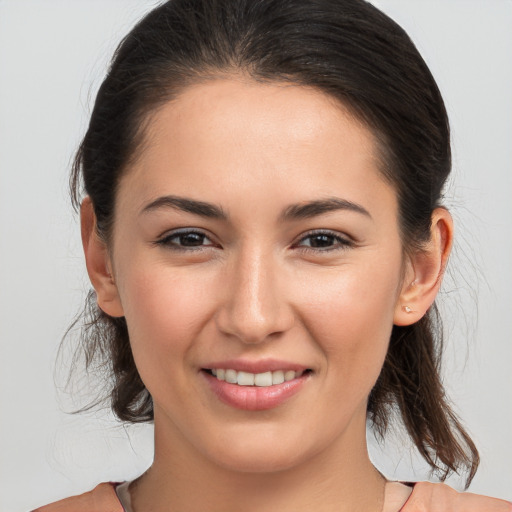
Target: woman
point(263, 229)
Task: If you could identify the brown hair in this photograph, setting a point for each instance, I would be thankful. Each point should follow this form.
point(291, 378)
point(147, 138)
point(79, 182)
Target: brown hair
point(345, 48)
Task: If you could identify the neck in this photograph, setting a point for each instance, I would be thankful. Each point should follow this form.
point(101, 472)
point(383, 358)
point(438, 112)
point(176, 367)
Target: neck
point(340, 479)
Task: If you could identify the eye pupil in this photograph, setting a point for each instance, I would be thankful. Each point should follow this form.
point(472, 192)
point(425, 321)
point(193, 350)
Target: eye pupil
point(322, 241)
point(191, 239)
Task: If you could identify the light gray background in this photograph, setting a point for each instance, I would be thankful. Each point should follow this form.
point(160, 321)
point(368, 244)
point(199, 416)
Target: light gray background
point(52, 57)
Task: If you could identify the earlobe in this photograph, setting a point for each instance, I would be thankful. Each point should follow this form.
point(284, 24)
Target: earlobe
point(425, 271)
point(98, 262)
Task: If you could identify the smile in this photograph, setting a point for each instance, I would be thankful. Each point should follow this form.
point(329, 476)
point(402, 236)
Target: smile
point(265, 379)
point(258, 390)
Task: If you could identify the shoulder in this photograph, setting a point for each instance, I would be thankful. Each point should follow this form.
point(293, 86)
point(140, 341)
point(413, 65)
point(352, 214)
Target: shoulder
point(429, 497)
point(102, 498)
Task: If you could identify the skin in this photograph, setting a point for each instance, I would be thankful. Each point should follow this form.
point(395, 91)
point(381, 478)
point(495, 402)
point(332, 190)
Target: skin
point(254, 288)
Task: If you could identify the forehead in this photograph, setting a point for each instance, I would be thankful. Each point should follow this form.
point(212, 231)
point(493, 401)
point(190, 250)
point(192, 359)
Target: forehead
point(243, 136)
point(241, 107)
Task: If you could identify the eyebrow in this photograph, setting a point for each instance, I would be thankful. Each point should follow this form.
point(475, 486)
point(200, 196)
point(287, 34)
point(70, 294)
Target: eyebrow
point(184, 204)
point(313, 208)
point(305, 210)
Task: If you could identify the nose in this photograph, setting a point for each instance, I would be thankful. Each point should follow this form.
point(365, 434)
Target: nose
point(255, 308)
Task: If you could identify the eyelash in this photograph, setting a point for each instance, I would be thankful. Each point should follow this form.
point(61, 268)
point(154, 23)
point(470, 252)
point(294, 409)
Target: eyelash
point(167, 240)
point(338, 242)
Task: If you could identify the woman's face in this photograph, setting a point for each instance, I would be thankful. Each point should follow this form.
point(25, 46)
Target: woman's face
point(255, 234)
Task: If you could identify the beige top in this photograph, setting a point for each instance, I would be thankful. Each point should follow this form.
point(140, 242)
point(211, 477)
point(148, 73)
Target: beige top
point(426, 496)
point(396, 494)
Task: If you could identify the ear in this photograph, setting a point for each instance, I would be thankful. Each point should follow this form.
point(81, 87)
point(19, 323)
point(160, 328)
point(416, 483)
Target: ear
point(424, 272)
point(99, 266)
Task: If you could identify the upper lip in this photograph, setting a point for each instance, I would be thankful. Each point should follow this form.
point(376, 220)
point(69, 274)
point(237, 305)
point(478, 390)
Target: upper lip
point(260, 366)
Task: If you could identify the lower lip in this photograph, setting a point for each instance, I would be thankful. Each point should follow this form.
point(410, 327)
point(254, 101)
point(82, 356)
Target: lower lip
point(254, 398)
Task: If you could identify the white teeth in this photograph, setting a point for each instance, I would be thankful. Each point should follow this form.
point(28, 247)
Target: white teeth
point(231, 376)
point(289, 375)
point(245, 379)
point(263, 379)
point(255, 379)
point(278, 377)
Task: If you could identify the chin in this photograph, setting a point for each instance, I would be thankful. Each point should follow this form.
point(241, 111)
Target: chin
point(256, 455)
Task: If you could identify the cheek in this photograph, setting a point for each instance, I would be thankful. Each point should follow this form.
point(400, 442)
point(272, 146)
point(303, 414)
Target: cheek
point(350, 315)
point(166, 308)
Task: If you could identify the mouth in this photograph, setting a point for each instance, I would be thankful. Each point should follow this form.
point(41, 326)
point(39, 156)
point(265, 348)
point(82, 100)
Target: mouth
point(264, 379)
point(264, 390)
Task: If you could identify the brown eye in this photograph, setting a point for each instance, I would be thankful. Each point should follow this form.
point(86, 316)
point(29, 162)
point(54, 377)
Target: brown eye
point(323, 241)
point(190, 239)
point(184, 240)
